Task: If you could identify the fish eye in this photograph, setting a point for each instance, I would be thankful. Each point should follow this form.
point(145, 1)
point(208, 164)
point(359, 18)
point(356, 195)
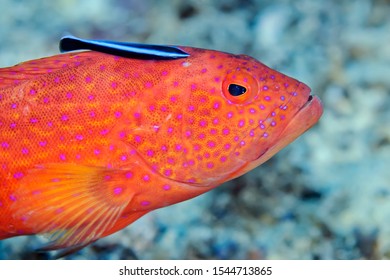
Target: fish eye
point(236, 90)
point(239, 87)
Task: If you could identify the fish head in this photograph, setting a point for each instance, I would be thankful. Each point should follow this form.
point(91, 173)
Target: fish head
point(239, 115)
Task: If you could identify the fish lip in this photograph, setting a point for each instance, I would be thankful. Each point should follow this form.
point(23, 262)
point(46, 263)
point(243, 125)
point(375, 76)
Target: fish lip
point(302, 88)
point(314, 104)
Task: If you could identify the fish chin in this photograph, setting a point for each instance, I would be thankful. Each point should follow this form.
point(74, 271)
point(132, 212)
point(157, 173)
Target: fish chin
point(307, 115)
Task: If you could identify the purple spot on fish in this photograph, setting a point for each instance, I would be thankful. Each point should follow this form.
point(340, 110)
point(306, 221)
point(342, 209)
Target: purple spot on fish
point(18, 175)
point(226, 131)
point(36, 192)
point(12, 197)
point(145, 203)
point(137, 138)
point(118, 190)
point(129, 175)
point(42, 143)
point(146, 178)
point(167, 187)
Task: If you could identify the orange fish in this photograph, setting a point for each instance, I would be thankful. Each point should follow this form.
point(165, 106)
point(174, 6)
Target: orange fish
point(92, 140)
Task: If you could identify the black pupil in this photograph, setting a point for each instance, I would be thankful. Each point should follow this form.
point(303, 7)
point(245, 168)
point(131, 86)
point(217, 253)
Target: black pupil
point(236, 90)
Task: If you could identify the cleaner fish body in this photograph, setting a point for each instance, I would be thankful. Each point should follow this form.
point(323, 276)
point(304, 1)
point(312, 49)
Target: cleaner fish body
point(92, 141)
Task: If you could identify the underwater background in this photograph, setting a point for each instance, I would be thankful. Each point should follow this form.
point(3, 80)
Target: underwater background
point(325, 196)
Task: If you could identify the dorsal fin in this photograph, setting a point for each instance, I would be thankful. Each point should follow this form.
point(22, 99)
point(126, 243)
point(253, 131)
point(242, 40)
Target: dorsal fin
point(123, 49)
point(21, 72)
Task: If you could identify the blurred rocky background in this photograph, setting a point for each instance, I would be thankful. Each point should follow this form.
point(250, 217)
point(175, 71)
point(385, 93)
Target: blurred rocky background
point(326, 196)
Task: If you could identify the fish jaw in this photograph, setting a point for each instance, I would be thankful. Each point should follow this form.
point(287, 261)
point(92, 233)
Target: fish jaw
point(306, 117)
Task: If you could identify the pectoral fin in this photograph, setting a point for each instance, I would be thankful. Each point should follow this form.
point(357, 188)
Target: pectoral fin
point(73, 205)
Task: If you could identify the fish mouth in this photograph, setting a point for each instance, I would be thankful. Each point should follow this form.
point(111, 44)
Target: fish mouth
point(308, 114)
point(308, 102)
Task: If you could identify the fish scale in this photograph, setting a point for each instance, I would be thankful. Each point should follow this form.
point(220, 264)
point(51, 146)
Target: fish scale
point(90, 141)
